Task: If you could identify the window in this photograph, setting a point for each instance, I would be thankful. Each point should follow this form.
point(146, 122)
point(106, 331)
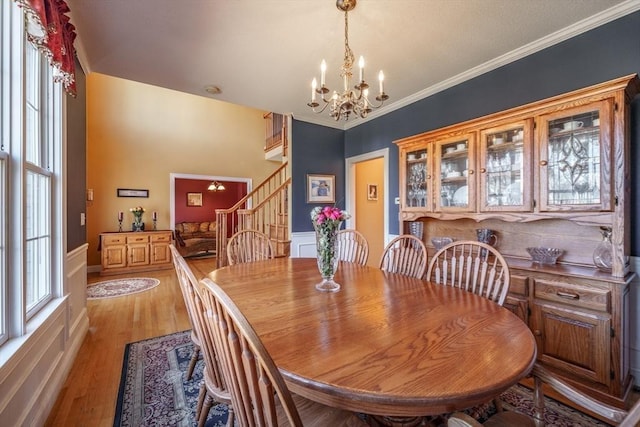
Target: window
point(30, 165)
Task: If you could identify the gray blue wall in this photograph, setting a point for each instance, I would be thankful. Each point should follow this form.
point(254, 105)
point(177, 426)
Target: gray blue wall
point(604, 53)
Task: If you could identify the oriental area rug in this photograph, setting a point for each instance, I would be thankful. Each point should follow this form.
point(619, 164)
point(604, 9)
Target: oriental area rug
point(154, 391)
point(120, 287)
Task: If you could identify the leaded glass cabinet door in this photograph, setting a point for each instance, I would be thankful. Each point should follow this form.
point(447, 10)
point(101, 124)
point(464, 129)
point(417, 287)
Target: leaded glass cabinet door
point(417, 179)
point(505, 167)
point(575, 159)
point(455, 174)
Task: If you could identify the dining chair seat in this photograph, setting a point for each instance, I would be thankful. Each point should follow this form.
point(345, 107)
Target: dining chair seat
point(352, 247)
point(258, 392)
point(407, 255)
point(249, 246)
point(473, 266)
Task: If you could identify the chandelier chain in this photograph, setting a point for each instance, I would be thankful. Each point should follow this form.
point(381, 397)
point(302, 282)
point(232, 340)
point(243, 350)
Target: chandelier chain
point(349, 58)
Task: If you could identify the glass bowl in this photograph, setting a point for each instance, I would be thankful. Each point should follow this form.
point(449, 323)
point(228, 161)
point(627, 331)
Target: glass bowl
point(441, 242)
point(544, 255)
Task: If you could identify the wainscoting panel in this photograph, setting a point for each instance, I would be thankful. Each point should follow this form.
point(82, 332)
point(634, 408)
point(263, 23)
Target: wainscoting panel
point(33, 367)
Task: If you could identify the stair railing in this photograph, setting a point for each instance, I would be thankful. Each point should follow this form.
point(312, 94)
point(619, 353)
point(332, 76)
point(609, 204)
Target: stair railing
point(264, 209)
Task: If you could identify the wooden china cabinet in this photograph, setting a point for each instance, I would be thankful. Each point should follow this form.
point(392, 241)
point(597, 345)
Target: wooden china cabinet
point(553, 173)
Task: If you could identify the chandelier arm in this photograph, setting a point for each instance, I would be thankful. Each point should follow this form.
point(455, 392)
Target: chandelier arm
point(324, 107)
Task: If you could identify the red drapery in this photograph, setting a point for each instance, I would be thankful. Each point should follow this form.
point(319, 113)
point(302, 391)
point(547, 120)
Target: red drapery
point(49, 28)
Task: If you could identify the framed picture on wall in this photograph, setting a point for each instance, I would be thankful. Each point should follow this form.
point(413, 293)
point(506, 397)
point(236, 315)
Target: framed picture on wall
point(194, 199)
point(321, 188)
point(372, 191)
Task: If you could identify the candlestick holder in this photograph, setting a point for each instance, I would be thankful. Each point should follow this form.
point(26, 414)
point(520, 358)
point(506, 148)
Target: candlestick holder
point(155, 225)
point(120, 225)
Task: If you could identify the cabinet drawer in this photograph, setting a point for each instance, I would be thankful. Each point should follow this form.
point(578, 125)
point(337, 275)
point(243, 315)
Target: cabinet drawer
point(137, 239)
point(113, 240)
point(160, 238)
point(519, 285)
point(579, 296)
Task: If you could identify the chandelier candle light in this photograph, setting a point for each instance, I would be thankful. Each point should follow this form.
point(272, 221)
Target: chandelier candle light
point(355, 100)
point(327, 221)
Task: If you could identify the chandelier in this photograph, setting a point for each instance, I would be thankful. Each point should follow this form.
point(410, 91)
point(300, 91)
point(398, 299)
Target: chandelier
point(355, 100)
point(216, 186)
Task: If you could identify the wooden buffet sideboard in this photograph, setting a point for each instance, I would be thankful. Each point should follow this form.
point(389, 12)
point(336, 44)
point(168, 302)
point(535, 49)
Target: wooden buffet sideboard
point(125, 252)
point(551, 173)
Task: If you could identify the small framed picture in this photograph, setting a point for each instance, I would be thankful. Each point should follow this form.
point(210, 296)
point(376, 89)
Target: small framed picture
point(194, 199)
point(129, 192)
point(372, 191)
point(321, 188)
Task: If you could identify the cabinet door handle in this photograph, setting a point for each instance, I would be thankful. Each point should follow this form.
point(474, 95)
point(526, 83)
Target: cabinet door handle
point(567, 295)
point(537, 333)
point(543, 163)
point(470, 172)
point(428, 176)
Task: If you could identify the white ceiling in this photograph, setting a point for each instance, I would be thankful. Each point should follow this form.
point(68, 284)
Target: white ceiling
point(264, 53)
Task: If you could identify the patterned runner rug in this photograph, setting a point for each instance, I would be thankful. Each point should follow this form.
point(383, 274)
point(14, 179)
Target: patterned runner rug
point(154, 391)
point(120, 287)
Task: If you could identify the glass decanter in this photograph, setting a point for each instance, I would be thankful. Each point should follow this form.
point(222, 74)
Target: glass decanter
point(602, 256)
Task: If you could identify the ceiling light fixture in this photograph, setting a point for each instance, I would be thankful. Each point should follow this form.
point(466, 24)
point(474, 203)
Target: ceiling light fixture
point(216, 186)
point(355, 100)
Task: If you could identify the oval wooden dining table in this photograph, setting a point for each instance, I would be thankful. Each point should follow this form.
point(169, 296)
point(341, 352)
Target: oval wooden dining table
point(385, 344)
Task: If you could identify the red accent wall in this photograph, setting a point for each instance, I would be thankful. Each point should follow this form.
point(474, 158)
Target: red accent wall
point(211, 200)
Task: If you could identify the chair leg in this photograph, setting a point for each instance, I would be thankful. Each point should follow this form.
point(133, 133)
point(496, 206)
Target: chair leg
point(201, 395)
point(231, 416)
point(204, 412)
point(192, 363)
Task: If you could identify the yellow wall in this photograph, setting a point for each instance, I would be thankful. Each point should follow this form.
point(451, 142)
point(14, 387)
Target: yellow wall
point(138, 134)
point(370, 213)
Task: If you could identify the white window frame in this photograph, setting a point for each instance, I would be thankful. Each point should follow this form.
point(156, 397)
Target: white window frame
point(26, 298)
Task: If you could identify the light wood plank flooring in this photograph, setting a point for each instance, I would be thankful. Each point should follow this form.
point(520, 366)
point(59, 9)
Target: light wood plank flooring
point(88, 397)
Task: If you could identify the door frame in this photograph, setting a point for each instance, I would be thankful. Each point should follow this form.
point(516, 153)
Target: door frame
point(172, 187)
point(350, 186)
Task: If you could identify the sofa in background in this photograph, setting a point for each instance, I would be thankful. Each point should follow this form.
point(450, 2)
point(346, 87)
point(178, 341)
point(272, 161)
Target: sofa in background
point(193, 238)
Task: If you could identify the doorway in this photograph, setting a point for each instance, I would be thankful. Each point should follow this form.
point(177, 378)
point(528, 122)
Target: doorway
point(367, 199)
point(205, 180)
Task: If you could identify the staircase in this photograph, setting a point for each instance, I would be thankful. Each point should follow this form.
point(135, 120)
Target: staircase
point(266, 207)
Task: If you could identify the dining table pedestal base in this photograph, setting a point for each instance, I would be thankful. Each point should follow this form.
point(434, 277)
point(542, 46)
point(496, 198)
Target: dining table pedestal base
point(388, 421)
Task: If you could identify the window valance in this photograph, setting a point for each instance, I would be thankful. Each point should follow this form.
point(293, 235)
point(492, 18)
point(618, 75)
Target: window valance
point(49, 28)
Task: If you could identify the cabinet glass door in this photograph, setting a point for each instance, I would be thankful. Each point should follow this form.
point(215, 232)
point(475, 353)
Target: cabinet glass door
point(455, 168)
point(505, 174)
point(572, 157)
point(417, 178)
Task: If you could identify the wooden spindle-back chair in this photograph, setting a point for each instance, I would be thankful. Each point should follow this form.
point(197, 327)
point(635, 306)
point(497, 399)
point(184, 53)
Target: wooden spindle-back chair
point(213, 388)
point(542, 376)
point(406, 254)
point(352, 247)
point(249, 246)
point(260, 395)
point(473, 266)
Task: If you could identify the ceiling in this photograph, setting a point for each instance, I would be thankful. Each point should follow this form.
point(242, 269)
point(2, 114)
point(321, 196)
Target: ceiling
point(264, 53)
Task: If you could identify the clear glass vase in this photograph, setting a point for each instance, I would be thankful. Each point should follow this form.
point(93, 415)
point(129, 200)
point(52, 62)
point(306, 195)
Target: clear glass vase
point(137, 224)
point(602, 255)
point(327, 249)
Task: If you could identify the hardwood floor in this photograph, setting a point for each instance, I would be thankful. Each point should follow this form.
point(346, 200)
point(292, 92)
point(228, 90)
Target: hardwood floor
point(88, 397)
